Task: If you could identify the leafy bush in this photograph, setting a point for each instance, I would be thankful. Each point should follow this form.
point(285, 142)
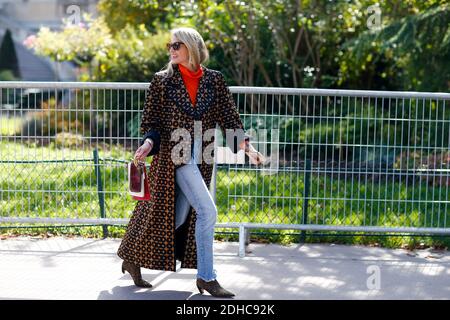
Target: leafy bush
point(69, 140)
point(135, 55)
point(47, 123)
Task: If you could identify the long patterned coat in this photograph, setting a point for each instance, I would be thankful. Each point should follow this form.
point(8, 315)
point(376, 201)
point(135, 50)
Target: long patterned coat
point(151, 240)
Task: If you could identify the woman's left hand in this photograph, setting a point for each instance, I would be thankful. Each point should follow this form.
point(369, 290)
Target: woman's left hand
point(254, 155)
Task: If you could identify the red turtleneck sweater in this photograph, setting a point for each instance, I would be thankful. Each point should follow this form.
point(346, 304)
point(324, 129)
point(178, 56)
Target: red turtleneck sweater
point(191, 80)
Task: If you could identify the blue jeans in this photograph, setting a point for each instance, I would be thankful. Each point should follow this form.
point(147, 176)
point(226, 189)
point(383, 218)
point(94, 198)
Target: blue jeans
point(191, 190)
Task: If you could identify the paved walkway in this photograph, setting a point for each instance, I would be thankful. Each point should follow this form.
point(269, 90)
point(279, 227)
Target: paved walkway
point(77, 268)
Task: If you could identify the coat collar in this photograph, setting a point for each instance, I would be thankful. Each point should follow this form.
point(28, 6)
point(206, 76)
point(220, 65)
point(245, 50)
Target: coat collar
point(205, 93)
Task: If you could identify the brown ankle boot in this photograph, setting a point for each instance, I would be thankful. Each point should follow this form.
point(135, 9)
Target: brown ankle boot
point(214, 288)
point(135, 272)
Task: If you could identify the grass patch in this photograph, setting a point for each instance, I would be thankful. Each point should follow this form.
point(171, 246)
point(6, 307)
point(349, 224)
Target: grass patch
point(68, 189)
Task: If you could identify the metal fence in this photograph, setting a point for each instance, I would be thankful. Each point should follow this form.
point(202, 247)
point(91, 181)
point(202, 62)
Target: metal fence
point(344, 160)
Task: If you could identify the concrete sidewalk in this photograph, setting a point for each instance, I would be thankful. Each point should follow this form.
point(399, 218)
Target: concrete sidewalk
point(78, 268)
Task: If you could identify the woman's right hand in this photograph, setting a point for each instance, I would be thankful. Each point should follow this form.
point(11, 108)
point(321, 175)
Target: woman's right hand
point(142, 151)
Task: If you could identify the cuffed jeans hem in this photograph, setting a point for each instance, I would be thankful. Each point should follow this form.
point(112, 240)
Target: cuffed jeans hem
point(206, 279)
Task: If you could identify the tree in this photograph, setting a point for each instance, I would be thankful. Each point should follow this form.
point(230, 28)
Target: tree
point(262, 42)
point(284, 43)
point(8, 56)
point(411, 52)
point(153, 14)
point(134, 55)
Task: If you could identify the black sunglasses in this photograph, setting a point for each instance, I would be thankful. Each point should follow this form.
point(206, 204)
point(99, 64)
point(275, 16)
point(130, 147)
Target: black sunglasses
point(175, 45)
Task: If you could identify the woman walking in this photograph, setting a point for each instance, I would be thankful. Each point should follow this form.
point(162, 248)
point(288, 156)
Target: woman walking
point(177, 223)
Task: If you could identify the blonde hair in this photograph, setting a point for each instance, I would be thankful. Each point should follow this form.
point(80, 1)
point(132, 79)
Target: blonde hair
point(198, 53)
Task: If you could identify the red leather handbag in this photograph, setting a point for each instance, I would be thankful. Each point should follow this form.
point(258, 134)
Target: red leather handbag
point(138, 181)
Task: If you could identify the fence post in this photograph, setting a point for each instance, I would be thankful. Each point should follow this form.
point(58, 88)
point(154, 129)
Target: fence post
point(305, 198)
point(241, 241)
point(101, 196)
